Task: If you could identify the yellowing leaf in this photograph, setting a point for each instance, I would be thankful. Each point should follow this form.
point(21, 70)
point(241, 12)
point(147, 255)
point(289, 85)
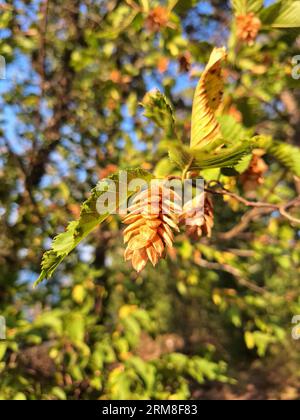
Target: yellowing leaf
point(78, 293)
point(216, 297)
point(282, 14)
point(208, 97)
point(249, 340)
point(126, 310)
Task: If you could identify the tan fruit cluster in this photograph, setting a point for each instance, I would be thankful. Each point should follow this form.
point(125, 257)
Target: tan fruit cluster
point(248, 27)
point(158, 18)
point(198, 217)
point(154, 216)
point(254, 176)
point(151, 222)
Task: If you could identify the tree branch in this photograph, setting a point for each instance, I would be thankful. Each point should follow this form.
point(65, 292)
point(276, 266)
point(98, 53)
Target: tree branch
point(259, 208)
point(236, 273)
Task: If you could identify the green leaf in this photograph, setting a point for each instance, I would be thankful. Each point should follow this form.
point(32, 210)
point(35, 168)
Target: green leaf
point(78, 230)
point(5, 19)
point(183, 6)
point(287, 155)
point(249, 340)
point(284, 14)
point(144, 370)
point(163, 168)
point(180, 155)
point(159, 110)
point(242, 7)
point(244, 164)
point(20, 396)
point(262, 141)
point(120, 20)
point(59, 393)
point(3, 348)
point(145, 5)
point(172, 4)
point(231, 130)
point(75, 326)
point(227, 157)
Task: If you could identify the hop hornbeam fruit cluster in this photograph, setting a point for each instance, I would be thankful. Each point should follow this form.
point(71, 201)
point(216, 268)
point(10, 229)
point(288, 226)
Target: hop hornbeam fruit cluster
point(151, 222)
point(154, 217)
point(198, 216)
point(254, 176)
point(248, 27)
point(157, 19)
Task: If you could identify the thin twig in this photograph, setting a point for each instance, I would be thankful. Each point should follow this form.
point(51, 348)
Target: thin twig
point(247, 203)
point(281, 208)
point(187, 168)
point(251, 215)
point(277, 182)
point(236, 273)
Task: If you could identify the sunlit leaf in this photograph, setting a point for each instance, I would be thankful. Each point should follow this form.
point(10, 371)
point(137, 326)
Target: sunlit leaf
point(287, 155)
point(208, 97)
point(283, 14)
point(159, 110)
point(226, 157)
point(242, 7)
point(78, 230)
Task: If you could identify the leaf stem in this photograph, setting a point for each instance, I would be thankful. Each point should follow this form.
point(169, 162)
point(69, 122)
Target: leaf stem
point(186, 169)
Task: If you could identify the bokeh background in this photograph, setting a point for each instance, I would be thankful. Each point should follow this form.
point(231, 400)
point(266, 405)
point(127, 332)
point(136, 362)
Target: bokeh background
point(214, 319)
